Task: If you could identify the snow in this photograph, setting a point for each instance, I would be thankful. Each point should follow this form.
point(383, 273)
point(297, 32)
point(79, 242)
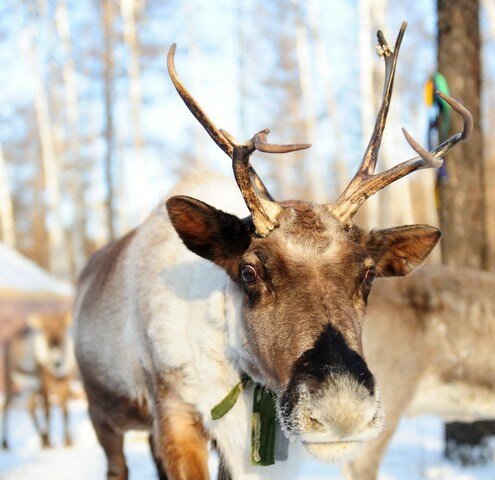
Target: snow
point(414, 454)
point(21, 274)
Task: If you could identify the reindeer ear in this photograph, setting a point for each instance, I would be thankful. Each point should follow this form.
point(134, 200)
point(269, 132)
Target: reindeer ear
point(398, 251)
point(210, 233)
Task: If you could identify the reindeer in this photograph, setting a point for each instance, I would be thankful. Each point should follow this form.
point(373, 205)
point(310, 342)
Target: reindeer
point(169, 317)
point(439, 325)
point(39, 361)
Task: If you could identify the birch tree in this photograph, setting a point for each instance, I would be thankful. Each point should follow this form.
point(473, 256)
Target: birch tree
point(108, 18)
point(331, 105)
point(316, 184)
point(194, 54)
point(7, 224)
point(129, 10)
point(369, 211)
point(76, 168)
point(395, 206)
point(280, 78)
point(58, 259)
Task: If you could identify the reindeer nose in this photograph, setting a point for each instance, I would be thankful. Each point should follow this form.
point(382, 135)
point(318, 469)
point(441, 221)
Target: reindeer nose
point(350, 424)
point(343, 415)
point(58, 364)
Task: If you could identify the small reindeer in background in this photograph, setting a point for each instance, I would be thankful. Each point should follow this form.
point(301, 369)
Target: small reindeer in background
point(39, 361)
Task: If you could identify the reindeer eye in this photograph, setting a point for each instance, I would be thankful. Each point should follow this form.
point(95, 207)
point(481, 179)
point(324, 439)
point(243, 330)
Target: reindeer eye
point(369, 276)
point(249, 274)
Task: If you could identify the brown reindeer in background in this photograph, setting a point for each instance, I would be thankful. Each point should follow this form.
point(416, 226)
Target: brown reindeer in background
point(279, 294)
point(439, 327)
point(39, 361)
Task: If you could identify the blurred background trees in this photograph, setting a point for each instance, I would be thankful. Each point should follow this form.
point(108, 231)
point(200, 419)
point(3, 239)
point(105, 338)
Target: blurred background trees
point(93, 134)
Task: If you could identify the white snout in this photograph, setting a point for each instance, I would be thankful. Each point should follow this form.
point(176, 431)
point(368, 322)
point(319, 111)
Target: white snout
point(336, 423)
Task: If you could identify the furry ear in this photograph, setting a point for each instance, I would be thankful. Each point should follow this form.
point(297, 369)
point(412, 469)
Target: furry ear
point(208, 232)
point(398, 251)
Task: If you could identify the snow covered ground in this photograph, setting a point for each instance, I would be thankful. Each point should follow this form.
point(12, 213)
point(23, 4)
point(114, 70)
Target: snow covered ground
point(414, 454)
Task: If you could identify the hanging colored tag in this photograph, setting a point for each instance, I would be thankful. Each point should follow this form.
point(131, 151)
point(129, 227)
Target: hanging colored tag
point(263, 427)
point(268, 443)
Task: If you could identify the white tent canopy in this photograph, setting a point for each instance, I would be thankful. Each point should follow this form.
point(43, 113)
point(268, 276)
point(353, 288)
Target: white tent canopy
point(18, 273)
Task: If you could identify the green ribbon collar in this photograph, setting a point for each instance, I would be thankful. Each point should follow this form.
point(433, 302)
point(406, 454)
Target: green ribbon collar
point(267, 440)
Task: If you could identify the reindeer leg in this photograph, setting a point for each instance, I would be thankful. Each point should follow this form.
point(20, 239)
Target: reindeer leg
point(64, 399)
point(112, 443)
point(366, 466)
point(34, 417)
point(159, 466)
point(45, 436)
point(67, 435)
point(223, 470)
point(8, 398)
point(181, 441)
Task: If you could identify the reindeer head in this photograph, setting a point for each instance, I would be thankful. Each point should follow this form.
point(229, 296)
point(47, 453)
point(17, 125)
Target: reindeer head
point(301, 275)
point(52, 344)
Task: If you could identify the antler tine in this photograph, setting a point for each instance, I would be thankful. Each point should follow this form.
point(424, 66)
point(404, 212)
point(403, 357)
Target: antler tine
point(370, 157)
point(352, 198)
point(264, 210)
point(262, 146)
point(430, 160)
point(467, 128)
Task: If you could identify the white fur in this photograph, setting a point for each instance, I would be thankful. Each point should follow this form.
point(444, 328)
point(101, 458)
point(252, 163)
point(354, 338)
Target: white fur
point(59, 361)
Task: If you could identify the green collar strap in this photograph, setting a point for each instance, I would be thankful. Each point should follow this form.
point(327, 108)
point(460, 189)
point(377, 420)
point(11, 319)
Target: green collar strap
point(268, 443)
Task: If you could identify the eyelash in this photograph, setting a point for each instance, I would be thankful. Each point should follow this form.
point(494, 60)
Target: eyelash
point(371, 273)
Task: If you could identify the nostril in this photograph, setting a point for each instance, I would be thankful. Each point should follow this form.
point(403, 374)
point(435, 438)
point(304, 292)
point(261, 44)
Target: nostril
point(315, 425)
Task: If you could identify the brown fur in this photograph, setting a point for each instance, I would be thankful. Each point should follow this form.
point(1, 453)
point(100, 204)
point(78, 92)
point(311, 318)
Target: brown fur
point(126, 413)
point(438, 324)
point(182, 441)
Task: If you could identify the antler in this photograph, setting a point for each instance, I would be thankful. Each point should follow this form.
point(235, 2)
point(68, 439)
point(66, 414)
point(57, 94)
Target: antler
point(366, 183)
point(264, 210)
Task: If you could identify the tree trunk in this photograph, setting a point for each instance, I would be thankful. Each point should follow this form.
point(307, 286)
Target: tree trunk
point(7, 224)
point(316, 185)
point(75, 165)
point(462, 207)
point(194, 54)
point(339, 167)
point(58, 258)
point(129, 11)
point(489, 6)
point(395, 207)
point(369, 211)
point(462, 196)
point(108, 18)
